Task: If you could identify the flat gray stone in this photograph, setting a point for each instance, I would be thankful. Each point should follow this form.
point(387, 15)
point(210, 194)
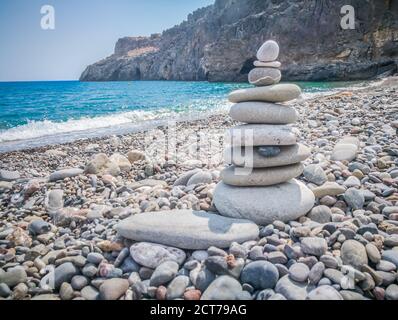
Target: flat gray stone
point(37, 227)
point(314, 246)
point(64, 273)
point(148, 183)
point(352, 295)
point(392, 292)
point(9, 176)
point(113, 289)
point(290, 289)
point(264, 205)
point(275, 93)
point(315, 174)
point(263, 112)
point(164, 273)
point(299, 272)
point(223, 288)
point(269, 51)
point(354, 198)
point(90, 293)
point(260, 274)
point(251, 157)
point(151, 255)
point(373, 253)
point(271, 64)
point(66, 173)
point(264, 76)
point(249, 177)
point(328, 189)
point(346, 149)
point(200, 177)
point(262, 135)
point(320, 214)
point(354, 253)
point(13, 276)
point(184, 178)
point(391, 256)
point(5, 185)
point(177, 287)
point(324, 293)
point(187, 229)
point(46, 297)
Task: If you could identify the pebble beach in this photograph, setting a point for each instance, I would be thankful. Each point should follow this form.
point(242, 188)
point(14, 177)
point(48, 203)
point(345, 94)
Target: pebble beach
point(62, 208)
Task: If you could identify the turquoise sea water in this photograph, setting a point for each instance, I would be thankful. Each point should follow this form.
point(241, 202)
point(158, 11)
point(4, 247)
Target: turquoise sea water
point(36, 113)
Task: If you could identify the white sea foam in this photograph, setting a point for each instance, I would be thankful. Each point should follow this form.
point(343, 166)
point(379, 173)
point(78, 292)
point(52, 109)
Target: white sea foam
point(36, 129)
point(78, 128)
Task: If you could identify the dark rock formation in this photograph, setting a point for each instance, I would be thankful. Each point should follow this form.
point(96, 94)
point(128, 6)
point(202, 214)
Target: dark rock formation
point(216, 43)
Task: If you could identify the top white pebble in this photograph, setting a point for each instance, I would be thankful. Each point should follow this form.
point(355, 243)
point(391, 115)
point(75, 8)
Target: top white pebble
point(268, 52)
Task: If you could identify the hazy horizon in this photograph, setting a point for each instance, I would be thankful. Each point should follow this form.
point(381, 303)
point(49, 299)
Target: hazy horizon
point(85, 32)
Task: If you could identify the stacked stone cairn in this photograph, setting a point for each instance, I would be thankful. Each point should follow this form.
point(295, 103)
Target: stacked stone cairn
point(263, 153)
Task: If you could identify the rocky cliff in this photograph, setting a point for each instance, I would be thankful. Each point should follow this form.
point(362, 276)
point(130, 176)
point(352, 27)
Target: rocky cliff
point(218, 43)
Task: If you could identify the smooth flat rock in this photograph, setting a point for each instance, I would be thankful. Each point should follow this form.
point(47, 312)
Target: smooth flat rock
point(290, 289)
point(352, 295)
point(223, 288)
point(262, 135)
point(13, 276)
point(135, 156)
point(269, 51)
point(66, 173)
point(164, 273)
point(346, 149)
point(324, 293)
point(251, 157)
point(147, 183)
point(328, 189)
point(177, 287)
point(275, 93)
point(187, 229)
point(314, 246)
point(200, 177)
point(5, 185)
point(9, 176)
point(184, 178)
point(320, 214)
point(354, 253)
point(260, 275)
point(264, 205)
point(113, 289)
point(391, 256)
point(46, 297)
point(315, 174)
point(263, 112)
point(151, 255)
point(250, 177)
point(272, 64)
point(122, 161)
point(264, 76)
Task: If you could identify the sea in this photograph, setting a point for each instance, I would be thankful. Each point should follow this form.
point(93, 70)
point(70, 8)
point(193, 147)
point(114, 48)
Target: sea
point(34, 114)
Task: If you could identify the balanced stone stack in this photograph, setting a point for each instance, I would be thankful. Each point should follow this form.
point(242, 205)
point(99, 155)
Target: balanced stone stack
point(263, 154)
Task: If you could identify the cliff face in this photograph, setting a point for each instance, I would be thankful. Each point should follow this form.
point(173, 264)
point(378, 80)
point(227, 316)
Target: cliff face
point(219, 42)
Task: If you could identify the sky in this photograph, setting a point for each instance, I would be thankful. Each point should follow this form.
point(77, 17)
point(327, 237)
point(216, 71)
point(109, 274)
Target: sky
point(85, 32)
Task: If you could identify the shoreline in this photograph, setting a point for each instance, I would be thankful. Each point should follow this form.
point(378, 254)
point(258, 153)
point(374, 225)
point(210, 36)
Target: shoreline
point(103, 133)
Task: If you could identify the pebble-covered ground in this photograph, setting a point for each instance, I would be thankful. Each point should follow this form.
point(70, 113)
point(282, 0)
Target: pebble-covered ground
point(59, 207)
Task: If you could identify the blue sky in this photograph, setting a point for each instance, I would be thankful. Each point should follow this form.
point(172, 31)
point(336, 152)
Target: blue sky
point(85, 31)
